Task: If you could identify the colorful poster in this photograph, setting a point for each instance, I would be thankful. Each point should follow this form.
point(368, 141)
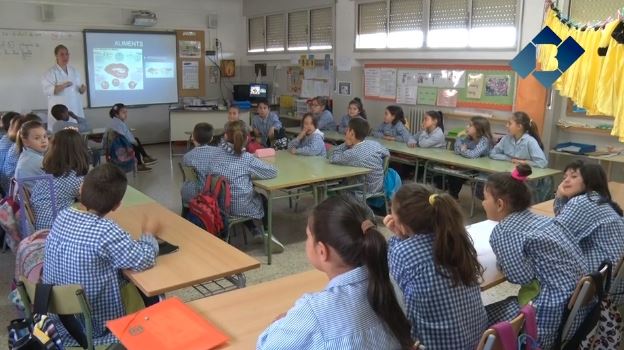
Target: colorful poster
point(497, 85)
point(475, 86)
point(441, 78)
point(118, 69)
point(447, 98)
point(426, 96)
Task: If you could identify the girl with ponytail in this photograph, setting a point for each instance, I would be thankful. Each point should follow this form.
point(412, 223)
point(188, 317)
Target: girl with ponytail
point(355, 110)
point(358, 309)
point(239, 167)
point(432, 259)
point(522, 144)
point(532, 251)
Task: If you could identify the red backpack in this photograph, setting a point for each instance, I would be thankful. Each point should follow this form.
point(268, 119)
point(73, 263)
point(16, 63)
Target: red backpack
point(210, 207)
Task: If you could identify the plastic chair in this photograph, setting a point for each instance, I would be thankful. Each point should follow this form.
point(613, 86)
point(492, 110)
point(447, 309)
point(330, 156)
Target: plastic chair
point(489, 341)
point(27, 222)
point(64, 300)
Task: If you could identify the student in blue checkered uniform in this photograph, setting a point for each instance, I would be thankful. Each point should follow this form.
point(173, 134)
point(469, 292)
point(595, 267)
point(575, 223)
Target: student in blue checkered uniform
point(475, 144)
point(393, 126)
point(356, 151)
point(532, 251)
point(592, 219)
point(12, 156)
point(239, 167)
point(119, 117)
point(32, 144)
point(358, 308)
point(355, 110)
point(87, 249)
point(309, 142)
point(432, 133)
point(265, 124)
point(9, 122)
point(432, 259)
point(200, 159)
point(323, 116)
point(68, 162)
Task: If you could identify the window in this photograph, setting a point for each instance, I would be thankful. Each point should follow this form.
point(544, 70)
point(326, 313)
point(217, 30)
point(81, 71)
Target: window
point(593, 10)
point(449, 24)
point(294, 31)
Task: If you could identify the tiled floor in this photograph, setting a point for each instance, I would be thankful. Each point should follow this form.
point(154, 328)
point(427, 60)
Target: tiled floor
point(163, 184)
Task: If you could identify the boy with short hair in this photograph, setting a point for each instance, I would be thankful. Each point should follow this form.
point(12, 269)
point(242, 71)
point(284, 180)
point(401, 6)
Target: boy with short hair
point(356, 151)
point(265, 124)
point(62, 114)
point(87, 249)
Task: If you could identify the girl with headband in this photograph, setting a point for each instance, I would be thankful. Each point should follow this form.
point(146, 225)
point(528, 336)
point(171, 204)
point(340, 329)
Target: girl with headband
point(531, 251)
point(433, 261)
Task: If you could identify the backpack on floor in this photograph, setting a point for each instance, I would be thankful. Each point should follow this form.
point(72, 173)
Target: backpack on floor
point(209, 208)
point(29, 256)
point(119, 151)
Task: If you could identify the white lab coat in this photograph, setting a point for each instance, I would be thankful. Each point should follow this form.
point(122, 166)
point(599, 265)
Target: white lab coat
point(70, 96)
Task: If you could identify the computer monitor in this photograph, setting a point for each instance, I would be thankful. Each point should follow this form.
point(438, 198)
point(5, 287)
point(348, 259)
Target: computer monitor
point(241, 92)
point(257, 91)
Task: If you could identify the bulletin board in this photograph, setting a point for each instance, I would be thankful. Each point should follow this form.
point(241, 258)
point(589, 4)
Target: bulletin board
point(471, 86)
point(191, 63)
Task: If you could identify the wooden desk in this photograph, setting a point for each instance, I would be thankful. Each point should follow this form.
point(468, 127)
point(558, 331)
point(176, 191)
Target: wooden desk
point(243, 314)
point(546, 208)
point(135, 197)
point(294, 170)
point(202, 256)
point(609, 159)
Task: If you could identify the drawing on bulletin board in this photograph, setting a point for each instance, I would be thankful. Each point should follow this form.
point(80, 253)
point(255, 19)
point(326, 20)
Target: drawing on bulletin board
point(228, 68)
point(497, 85)
point(189, 48)
point(475, 86)
point(294, 79)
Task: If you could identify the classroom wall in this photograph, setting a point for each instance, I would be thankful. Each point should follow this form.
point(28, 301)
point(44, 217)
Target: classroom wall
point(152, 123)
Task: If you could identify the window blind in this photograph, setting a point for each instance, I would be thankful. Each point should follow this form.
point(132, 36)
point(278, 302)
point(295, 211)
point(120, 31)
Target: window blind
point(372, 18)
point(275, 32)
point(298, 30)
point(493, 13)
point(448, 14)
point(256, 34)
point(321, 28)
point(593, 10)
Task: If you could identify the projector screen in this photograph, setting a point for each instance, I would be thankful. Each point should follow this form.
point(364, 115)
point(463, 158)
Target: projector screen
point(133, 68)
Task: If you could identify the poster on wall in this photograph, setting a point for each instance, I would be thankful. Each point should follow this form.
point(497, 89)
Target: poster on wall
point(371, 81)
point(344, 88)
point(189, 48)
point(475, 86)
point(407, 87)
point(427, 96)
point(447, 98)
point(441, 78)
point(388, 83)
point(190, 75)
point(497, 85)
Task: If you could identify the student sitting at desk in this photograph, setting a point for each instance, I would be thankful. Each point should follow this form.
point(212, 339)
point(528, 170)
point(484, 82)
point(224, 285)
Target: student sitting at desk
point(32, 144)
point(87, 249)
point(265, 124)
point(68, 162)
point(432, 133)
point(393, 126)
point(592, 219)
point(62, 116)
point(358, 309)
point(355, 110)
point(12, 156)
point(432, 259)
point(324, 117)
point(531, 251)
point(309, 142)
point(9, 125)
point(119, 116)
point(356, 151)
point(199, 158)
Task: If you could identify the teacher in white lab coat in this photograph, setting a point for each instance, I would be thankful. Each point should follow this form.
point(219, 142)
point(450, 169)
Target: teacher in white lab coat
point(62, 84)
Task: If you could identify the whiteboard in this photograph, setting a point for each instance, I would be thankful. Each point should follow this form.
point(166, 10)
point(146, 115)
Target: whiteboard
point(25, 55)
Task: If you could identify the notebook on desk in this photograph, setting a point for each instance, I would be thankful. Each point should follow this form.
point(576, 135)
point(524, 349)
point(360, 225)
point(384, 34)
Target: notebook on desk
point(167, 325)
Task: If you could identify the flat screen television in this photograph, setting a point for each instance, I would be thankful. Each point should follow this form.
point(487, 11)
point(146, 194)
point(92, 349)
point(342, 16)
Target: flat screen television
point(257, 91)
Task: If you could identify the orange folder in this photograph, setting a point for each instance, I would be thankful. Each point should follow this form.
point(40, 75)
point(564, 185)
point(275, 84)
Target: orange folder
point(169, 324)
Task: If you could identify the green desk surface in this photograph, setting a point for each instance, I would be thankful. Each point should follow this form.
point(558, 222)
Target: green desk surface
point(329, 135)
point(293, 170)
point(447, 157)
point(619, 158)
point(135, 197)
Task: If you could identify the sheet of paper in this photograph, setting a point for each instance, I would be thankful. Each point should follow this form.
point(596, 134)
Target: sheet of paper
point(190, 75)
point(480, 233)
point(388, 83)
point(426, 95)
point(447, 98)
point(407, 87)
point(344, 63)
point(475, 86)
point(372, 81)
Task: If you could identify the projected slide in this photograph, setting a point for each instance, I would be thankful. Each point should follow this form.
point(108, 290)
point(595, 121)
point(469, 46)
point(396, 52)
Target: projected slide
point(134, 68)
point(118, 69)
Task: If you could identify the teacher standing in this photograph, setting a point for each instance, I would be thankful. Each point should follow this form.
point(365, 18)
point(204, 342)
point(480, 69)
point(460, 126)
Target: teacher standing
point(62, 84)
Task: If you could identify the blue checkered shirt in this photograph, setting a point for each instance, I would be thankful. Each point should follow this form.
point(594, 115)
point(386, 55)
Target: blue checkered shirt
point(5, 144)
point(29, 164)
point(549, 256)
point(398, 131)
point(366, 154)
point(326, 121)
point(310, 145)
point(434, 139)
point(443, 316)
point(8, 168)
point(473, 149)
point(525, 148)
point(337, 318)
point(66, 191)
point(239, 170)
point(263, 125)
point(83, 248)
point(122, 128)
point(199, 158)
point(344, 123)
